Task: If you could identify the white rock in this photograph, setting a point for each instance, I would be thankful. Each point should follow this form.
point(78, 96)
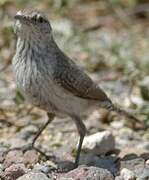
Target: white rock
point(99, 143)
point(117, 124)
point(127, 174)
point(63, 26)
point(34, 176)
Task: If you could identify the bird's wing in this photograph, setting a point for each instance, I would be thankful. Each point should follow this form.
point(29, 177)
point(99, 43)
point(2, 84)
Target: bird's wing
point(71, 78)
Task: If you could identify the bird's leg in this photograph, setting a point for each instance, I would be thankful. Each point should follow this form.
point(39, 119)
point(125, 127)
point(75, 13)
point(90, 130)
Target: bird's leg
point(32, 144)
point(50, 118)
point(82, 131)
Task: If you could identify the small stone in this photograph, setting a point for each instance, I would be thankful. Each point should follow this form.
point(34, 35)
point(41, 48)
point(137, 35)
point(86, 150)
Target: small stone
point(133, 163)
point(30, 157)
point(127, 174)
point(2, 156)
point(126, 133)
point(119, 178)
point(147, 162)
point(84, 172)
point(144, 175)
point(144, 145)
point(107, 162)
point(127, 152)
point(13, 157)
point(64, 27)
point(27, 132)
point(14, 171)
point(16, 142)
point(33, 176)
point(46, 167)
point(99, 143)
point(117, 124)
point(1, 168)
point(144, 88)
point(42, 168)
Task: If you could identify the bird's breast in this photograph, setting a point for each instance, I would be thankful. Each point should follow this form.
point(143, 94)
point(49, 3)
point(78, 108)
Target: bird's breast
point(35, 81)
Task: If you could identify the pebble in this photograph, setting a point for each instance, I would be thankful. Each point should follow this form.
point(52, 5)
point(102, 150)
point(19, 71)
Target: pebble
point(30, 157)
point(13, 157)
point(144, 175)
point(99, 143)
point(16, 142)
point(144, 145)
point(1, 168)
point(84, 172)
point(126, 174)
point(107, 162)
point(2, 154)
point(144, 88)
point(42, 168)
point(34, 176)
point(118, 178)
point(133, 163)
point(147, 162)
point(14, 171)
point(27, 132)
point(117, 124)
point(128, 152)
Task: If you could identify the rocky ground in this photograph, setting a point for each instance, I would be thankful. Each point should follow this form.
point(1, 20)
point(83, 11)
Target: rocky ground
point(115, 153)
point(115, 55)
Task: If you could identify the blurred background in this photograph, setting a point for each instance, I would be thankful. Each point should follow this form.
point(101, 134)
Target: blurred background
point(109, 39)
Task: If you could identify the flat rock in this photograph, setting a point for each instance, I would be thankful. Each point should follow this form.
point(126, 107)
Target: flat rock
point(143, 175)
point(90, 173)
point(118, 178)
point(127, 174)
point(13, 172)
point(144, 88)
point(144, 145)
point(99, 143)
point(128, 152)
point(107, 162)
point(133, 164)
point(13, 157)
point(16, 142)
point(138, 166)
point(27, 132)
point(2, 155)
point(30, 157)
point(42, 168)
point(33, 176)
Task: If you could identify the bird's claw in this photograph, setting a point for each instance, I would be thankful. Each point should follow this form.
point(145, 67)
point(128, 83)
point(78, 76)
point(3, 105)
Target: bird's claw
point(31, 146)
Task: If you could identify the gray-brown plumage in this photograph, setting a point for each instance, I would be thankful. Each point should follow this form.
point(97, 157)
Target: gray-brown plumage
point(51, 80)
point(74, 80)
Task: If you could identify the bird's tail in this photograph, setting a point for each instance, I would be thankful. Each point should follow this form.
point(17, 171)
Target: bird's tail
point(127, 115)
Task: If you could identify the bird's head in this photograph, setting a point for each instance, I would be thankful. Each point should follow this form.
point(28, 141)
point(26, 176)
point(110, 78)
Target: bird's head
point(31, 23)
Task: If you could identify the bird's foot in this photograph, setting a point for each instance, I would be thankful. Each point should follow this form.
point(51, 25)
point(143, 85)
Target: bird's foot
point(31, 146)
point(22, 148)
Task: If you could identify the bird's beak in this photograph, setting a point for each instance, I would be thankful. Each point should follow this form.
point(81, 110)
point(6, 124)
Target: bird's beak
point(19, 16)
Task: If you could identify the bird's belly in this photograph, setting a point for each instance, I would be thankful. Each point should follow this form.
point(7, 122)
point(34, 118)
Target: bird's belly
point(67, 103)
point(54, 99)
point(41, 90)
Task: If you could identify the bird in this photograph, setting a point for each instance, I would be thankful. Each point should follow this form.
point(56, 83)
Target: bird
point(52, 81)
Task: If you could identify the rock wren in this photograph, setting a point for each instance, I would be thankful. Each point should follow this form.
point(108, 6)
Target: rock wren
point(51, 80)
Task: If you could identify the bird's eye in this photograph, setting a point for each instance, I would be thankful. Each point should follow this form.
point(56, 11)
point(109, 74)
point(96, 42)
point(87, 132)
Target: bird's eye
point(34, 18)
point(40, 19)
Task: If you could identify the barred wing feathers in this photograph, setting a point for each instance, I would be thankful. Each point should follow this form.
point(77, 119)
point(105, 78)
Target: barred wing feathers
point(71, 78)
